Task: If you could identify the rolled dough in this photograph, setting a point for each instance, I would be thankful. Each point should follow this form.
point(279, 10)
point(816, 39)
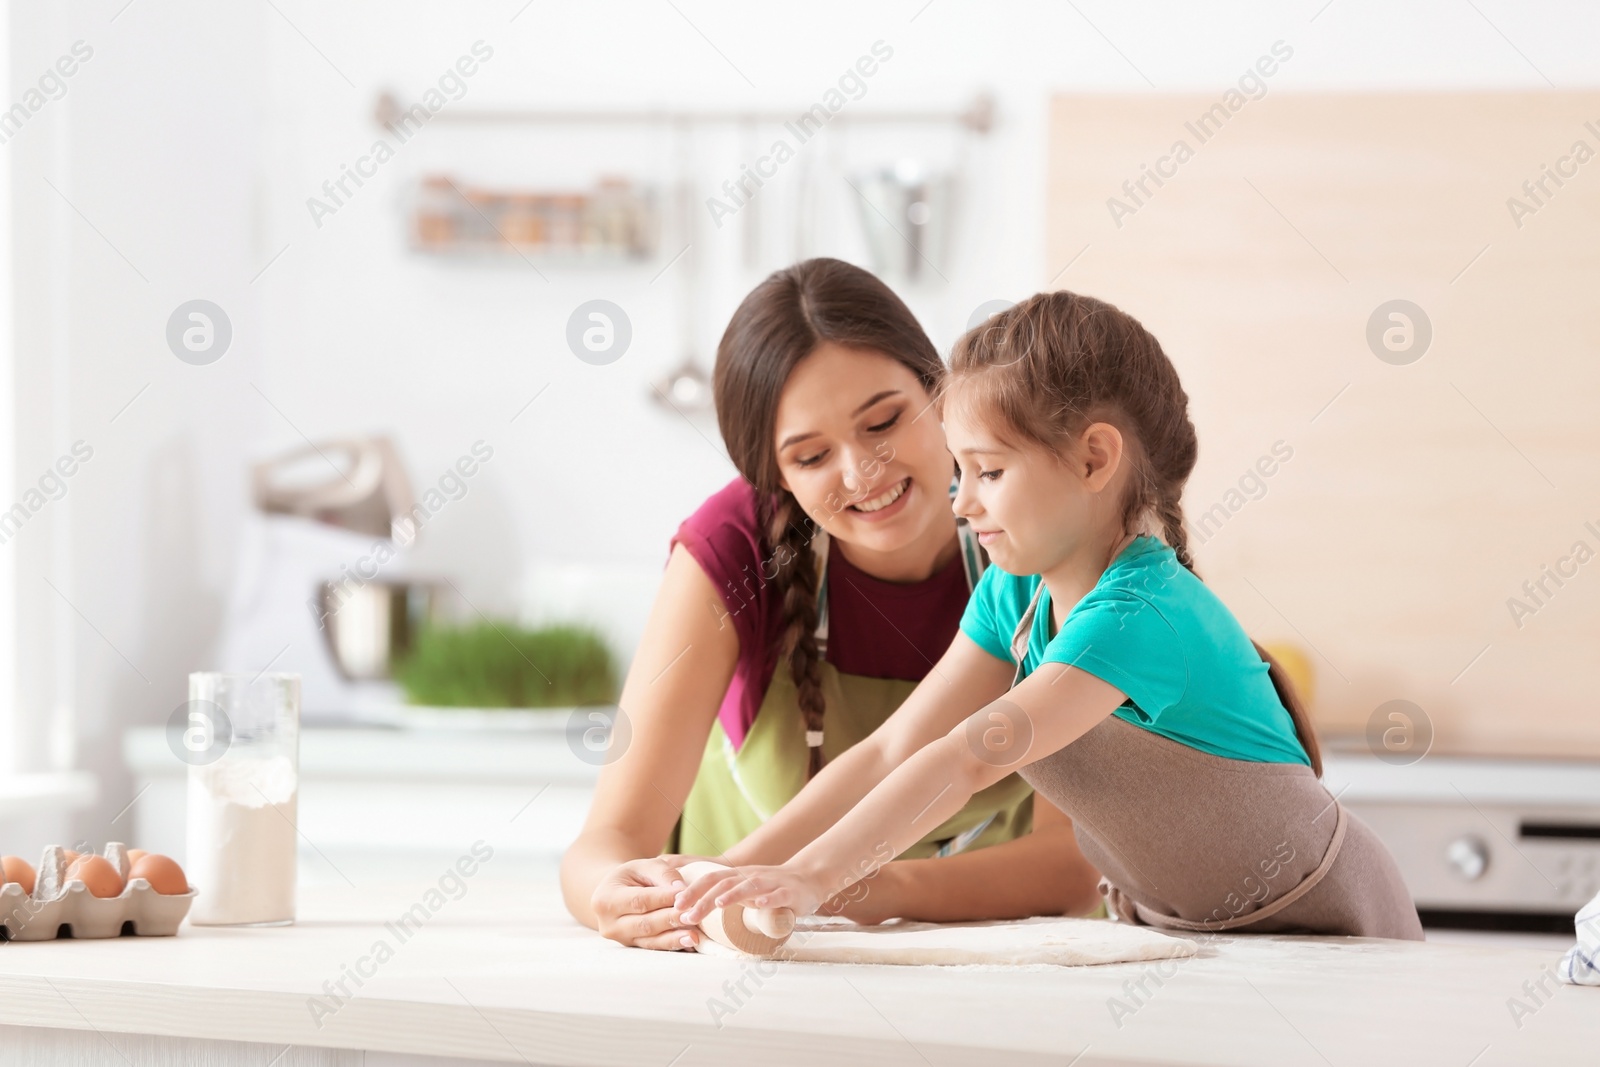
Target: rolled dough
point(1062, 942)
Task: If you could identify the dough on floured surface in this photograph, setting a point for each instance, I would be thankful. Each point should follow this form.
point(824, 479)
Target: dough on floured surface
point(1062, 942)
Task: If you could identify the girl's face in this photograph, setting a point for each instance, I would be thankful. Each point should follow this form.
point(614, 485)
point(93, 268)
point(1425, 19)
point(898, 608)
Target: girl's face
point(861, 450)
point(1031, 507)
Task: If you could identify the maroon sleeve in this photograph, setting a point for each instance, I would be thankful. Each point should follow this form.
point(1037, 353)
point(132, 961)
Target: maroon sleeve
point(724, 538)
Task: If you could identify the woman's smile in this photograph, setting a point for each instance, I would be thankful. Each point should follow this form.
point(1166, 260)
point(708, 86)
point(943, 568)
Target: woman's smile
point(885, 505)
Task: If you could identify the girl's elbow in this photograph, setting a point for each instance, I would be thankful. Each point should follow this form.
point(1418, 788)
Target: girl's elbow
point(971, 772)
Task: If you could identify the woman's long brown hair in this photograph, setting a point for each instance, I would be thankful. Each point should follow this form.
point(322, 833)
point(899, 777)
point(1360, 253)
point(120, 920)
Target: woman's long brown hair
point(1049, 366)
point(782, 321)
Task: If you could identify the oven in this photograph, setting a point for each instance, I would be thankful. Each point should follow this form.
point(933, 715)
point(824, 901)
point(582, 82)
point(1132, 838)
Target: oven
point(1483, 842)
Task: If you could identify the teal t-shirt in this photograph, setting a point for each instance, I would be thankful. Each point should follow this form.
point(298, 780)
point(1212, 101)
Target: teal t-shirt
point(1159, 634)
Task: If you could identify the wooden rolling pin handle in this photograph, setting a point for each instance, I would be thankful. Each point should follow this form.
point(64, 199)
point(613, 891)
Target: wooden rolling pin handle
point(774, 922)
point(757, 931)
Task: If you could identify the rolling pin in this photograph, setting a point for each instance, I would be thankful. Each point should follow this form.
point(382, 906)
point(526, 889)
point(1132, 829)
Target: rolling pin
point(753, 931)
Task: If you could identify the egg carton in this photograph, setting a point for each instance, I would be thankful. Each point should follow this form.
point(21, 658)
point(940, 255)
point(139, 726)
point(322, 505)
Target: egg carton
point(60, 907)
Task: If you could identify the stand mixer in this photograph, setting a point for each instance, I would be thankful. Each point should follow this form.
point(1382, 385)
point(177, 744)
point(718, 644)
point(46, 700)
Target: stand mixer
point(323, 587)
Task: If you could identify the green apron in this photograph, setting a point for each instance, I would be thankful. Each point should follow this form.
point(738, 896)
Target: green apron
point(736, 791)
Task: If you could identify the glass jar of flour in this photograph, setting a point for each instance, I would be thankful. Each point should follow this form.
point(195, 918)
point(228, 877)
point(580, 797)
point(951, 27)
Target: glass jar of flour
point(240, 735)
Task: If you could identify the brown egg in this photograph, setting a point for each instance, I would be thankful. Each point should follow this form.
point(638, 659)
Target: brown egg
point(163, 874)
point(69, 855)
point(134, 854)
point(96, 874)
point(16, 869)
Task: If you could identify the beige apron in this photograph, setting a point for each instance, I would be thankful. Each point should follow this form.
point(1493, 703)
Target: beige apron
point(736, 790)
point(1189, 841)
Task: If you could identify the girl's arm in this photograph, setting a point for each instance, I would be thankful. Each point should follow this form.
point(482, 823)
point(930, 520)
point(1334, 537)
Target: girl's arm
point(1053, 707)
point(1042, 872)
point(611, 876)
point(965, 677)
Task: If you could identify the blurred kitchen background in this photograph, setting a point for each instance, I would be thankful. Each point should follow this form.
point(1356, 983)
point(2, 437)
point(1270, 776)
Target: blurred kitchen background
point(287, 270)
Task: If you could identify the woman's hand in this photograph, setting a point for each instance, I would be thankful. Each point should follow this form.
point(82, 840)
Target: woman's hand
point(759, 887)
point(633, 905)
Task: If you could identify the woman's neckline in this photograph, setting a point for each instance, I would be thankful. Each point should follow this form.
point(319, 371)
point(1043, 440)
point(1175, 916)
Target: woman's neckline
point(886, 585)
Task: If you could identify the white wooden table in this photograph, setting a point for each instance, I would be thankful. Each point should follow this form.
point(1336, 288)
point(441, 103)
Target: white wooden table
point(503, 975)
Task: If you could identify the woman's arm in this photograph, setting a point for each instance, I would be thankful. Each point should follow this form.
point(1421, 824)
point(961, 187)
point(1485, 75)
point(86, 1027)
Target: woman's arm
point(611, 876)
point(966, 677)
point(1040, 873)
point(1052, 708)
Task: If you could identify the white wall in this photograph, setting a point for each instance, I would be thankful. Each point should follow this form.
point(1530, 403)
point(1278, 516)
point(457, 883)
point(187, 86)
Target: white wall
point(193, 138)
point(153, 153)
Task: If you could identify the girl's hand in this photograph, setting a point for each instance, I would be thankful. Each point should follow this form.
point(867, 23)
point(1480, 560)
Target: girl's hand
point(633, 905)
point(759, 887)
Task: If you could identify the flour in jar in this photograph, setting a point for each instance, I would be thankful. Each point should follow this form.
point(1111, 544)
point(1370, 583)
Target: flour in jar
point(241, 841)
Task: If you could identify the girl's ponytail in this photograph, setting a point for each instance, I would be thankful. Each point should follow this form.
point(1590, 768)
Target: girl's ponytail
point(1297, 709)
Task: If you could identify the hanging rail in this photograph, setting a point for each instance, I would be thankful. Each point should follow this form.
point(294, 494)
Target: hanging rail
point(977, 116)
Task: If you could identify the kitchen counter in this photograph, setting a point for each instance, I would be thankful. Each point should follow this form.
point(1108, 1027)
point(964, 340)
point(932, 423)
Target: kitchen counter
point(497, 972)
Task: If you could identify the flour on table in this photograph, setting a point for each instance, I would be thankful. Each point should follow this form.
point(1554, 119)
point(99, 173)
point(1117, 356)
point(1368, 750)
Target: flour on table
point(1044, 940)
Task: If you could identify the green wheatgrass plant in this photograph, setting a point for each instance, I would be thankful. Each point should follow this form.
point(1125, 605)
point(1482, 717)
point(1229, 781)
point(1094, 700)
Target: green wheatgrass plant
point(502, 665)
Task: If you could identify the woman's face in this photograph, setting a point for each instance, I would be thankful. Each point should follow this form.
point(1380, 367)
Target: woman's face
point(861, 448)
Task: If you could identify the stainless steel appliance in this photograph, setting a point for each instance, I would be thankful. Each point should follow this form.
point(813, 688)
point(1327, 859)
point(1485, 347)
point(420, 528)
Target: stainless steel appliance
point(324, 587)
point(370, 626)
point(355, 483)
point(1482, 841)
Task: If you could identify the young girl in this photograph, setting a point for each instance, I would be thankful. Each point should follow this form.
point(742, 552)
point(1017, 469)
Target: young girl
point(1138, 705)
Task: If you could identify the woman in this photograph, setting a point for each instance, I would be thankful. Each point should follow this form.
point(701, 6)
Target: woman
point(801, 605)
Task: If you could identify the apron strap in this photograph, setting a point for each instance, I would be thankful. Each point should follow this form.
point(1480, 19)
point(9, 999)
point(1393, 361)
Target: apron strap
point(819, 554)
point(1121, 904)
point(973, 561)
point(1019, 636)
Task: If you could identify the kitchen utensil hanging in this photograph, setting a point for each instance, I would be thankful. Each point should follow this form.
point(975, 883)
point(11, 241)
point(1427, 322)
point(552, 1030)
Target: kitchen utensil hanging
point(686, 388)
point(905, 212)
point(750, 229)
